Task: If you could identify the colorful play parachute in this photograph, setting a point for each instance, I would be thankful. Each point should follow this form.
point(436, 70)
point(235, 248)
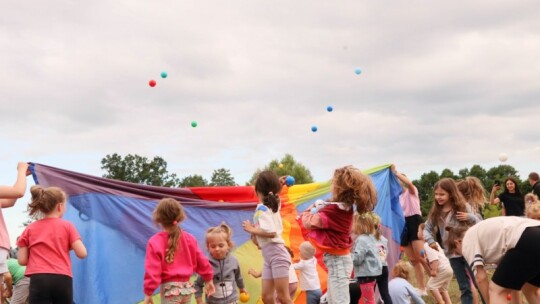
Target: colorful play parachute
point(114, 219)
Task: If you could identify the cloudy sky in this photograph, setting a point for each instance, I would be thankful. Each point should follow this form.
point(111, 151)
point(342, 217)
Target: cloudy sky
point(443, 85)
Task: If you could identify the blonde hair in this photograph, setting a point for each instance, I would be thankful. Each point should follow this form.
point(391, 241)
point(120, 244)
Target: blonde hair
point(377, 223)
point(307, 250)
point(363, 223)
point(169, 213)
point(533, 210)
point(473, 191)
point(401, 270)
point(351, 186)
point(44, 200)
point(221, 229)
point(530, 198)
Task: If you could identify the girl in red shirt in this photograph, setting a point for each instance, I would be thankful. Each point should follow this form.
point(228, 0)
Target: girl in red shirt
point(44, 248)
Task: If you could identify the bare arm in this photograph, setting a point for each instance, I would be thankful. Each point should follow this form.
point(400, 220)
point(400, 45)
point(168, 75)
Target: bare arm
point(79, 249)
point(483, 282)
point(404, 180)
point(9, 285)
point(17, 190)
point(248, 227)
point(22, 255)
point(492, 199)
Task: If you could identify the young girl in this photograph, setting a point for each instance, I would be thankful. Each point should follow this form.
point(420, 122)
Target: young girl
point(366, 259)
point(309, 278)
point(267, 227)
point(227, 275)
point(8, 197)
point(474, 193)
point(172, 256)
point(401, 291)
point(330, 227)
point(44, 247)
point(511, 243)
point(450, 209)
point(439, 269)
point(533, 210)
point(382, 248)
point(410, 204)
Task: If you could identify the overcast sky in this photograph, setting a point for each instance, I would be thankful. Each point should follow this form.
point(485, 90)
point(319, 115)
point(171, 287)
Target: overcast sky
point(443, 85)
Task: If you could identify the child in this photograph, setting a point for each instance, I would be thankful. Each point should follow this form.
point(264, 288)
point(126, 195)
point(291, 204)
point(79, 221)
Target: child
point(44, 247)
point(329, 227)
point(267, 227)
point(438, 266)
point(401, 291)
point(410, 205)
point(450, 209)
point(511, 243)
point(366, 259)
point(8, 197)
point(17, 283)
point(382, 249)
point(172, 256)
point(533, 210)
point(293, 278)
point(227, 276)
point(309, 278)
point(474, 193)
point(530, 198)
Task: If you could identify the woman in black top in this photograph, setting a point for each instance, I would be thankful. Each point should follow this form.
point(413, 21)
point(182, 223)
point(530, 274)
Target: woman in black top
point(511, 199)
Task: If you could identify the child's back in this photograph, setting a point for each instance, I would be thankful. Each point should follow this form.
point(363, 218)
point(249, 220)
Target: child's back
point(402, 292)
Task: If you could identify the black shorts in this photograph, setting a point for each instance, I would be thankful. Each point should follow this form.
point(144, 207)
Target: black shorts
point(521, 264)
point(410, 232)
point(51, 288)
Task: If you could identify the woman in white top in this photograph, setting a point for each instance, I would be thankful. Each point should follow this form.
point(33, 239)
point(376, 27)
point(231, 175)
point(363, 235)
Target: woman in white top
point(511, 243)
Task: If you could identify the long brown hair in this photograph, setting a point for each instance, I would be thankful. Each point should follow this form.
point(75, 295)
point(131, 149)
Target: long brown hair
point(455, 197)
point(169, 213)
point(351, 186)
point(44, 200)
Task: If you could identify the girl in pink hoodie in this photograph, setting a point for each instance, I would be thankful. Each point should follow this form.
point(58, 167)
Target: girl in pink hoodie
point(172, 256)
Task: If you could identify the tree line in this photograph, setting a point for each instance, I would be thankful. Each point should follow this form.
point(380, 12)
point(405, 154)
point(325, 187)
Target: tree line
point(138, 169)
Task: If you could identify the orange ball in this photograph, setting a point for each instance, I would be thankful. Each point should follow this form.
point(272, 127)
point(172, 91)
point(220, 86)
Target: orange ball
point(244, 297)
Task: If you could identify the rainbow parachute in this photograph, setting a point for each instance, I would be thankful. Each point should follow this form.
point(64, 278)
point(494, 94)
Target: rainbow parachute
point(114, 219)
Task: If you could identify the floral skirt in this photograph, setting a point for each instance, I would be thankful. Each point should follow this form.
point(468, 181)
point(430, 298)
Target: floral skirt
point(176, 292)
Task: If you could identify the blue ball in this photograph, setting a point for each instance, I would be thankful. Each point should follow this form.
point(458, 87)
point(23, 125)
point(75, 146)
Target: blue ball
point(163, 74)
point(289, 180)
point(329, 109)
point(314, 128)
point(358, 71)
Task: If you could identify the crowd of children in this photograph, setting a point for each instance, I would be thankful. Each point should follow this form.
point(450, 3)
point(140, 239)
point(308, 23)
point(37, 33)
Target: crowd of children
point(454, 241)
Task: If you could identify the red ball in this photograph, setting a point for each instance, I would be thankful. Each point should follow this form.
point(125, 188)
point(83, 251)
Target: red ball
point(152, 83)
point(508, 297)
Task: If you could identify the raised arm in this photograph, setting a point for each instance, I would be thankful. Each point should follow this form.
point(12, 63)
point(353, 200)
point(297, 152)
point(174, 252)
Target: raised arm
point(404, 180)
point(492, 198)
point(9, 194)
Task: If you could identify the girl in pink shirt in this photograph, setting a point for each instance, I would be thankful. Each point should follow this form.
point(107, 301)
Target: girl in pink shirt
point(8, 197)
point(44, 248)
point(172, 256)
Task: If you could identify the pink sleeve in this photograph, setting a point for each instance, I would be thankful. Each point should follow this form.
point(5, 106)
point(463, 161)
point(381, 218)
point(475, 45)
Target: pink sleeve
point(313, 221)
point(152, 269)
point(203, 267)
point(23, 239)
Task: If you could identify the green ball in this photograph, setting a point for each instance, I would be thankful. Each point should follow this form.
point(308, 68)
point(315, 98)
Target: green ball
point(163, 74)
point(194, 124)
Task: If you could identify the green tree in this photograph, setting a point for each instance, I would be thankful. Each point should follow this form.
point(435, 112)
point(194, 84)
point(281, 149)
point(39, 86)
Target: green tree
point(425, 190)
point(193, 181)
point(138, 169)
point(286, 166)
point(222, 177)
point(447, 173)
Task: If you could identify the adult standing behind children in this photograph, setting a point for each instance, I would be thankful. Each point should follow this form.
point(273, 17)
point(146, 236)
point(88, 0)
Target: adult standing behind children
point(44, 248)
point(534, 180)
point(410, 204)
point(329, 226)
point(8, 197)
point(511, 198)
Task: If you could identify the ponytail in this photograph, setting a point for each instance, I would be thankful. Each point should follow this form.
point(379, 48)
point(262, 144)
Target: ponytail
point(44, 200)
point(174, 236)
